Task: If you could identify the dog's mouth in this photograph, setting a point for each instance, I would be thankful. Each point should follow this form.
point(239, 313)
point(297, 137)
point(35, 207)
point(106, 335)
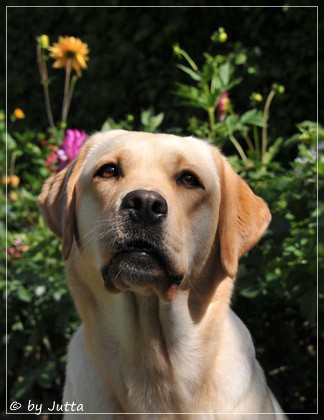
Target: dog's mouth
point(139, 265)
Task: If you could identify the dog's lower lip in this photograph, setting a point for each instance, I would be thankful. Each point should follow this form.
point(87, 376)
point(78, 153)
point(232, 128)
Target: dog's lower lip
point(174, 279)
point(148, 250)
point(141, 262)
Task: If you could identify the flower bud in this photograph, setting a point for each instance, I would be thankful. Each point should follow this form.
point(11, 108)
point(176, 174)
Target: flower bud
point(219, 36)
point(176, 49)
point(43, 41)
point(257, 97)
point(222, 37)
point(278, 88)
point(19, 114)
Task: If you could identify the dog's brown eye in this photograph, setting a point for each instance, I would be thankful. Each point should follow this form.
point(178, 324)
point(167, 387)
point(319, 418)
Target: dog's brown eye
point(110, 170)
point(188, 179)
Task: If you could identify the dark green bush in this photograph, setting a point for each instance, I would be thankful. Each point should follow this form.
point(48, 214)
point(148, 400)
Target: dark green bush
point(277, 290)
point(132, 60)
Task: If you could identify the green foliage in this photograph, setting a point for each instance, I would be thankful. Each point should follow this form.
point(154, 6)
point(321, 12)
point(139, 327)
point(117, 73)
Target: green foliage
point(210, 93)
point(148, 122)
point(278, 277)
point(41, 315)
point(131, 63)
point(214, 79)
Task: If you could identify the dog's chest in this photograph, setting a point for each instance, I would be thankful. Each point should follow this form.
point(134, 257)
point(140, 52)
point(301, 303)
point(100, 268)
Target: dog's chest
point(155, 360)
point(152, 385)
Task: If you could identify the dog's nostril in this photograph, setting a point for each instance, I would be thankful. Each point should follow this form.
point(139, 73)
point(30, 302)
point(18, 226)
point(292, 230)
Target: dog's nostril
point(136, 204)
point(145, 206)
point(159, 206)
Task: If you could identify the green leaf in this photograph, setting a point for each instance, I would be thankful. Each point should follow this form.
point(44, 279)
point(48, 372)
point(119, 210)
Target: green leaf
point(24, 295)
point(193, 74)
point(321, 168)
point(252, 117)
point(249, 293)
point(21, 388)
point(151, 122)
point(109, 124)
point(225, 72)
point(231, 84)
point(272, 150)
point(194, 97)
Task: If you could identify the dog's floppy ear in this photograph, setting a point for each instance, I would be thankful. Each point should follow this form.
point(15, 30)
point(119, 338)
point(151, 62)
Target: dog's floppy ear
point(57, 198)
point(57, 202)
point(243, 216)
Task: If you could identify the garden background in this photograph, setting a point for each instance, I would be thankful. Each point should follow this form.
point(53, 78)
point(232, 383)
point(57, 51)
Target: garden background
point(147, 70)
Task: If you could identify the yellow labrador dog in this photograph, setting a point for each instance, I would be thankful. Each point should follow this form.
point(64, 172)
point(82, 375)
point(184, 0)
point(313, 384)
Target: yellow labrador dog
point(153, 226)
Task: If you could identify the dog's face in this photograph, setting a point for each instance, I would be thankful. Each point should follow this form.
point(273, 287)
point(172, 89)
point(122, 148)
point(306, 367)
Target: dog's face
point(147, 211)
point(153, 202)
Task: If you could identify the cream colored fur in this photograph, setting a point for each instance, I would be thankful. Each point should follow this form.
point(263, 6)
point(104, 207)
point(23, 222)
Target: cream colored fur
point(153, 346)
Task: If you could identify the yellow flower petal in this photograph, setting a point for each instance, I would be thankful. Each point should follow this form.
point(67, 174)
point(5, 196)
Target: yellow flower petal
point(69, 47)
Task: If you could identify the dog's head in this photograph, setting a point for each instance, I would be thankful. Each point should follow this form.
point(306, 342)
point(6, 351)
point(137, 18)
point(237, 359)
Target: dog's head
point(147, 211)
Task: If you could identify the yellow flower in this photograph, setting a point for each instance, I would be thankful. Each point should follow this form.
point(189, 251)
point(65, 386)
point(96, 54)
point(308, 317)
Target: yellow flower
point(19, 114)
point(69, 47)
point(12, 180)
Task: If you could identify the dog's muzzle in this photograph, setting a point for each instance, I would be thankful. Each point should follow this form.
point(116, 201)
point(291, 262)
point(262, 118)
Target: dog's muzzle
point(140, 259)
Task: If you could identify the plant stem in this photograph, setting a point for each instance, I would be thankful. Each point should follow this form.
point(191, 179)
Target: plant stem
point(45, 82)
point(68, 68)
point(238, 147)
point(190, 60)
point(248, 142)
point(211, 116)
point(256, 140)
point(48, 105)
point(265, 117)
point(71, 90)
point(12, 163)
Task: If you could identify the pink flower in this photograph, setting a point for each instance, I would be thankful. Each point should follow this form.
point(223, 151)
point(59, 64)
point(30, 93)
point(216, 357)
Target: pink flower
point(18, 248)
point(52, 162)
point(67, 151)
point(11, 250)
point(223, 106)
point(72, 143)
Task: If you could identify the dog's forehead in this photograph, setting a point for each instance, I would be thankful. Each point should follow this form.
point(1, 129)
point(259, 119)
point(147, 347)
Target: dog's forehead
point(155, 147)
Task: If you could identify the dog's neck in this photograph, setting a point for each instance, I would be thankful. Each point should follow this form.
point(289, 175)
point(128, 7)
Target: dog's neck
point(145, 337)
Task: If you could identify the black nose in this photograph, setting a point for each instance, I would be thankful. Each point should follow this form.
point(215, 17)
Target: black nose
point(147, 207)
